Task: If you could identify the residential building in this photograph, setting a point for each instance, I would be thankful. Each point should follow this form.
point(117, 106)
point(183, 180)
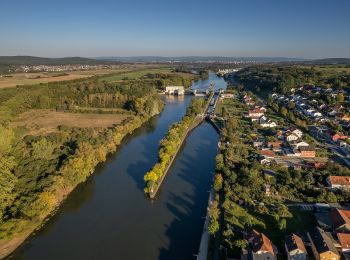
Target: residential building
point(338, 182)
point(307, 151)
point(256, 113)
point(322, 245)
point(340, 219)
point(261, 247)
point(338, 136)
point(295, 247)
point(344, 242)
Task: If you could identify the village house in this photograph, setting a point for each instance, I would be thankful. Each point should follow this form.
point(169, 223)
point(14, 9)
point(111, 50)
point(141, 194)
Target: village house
point(261, 247)
point(340, 219)
point(322, 245)
point(295, 247)
point(291, 137)
point(255, 113)
point(338, 182)
point(258, 142)
point(267, 153)
point(297, 132)
point(344, 242)
point(267, 123)
point(307, 151)
point(275, 146)
point(339, 136)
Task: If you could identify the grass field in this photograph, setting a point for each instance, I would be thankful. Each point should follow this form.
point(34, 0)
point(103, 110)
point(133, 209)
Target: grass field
point(330, 68)
point(43, 121)
point(135, 74)
point(130, 71)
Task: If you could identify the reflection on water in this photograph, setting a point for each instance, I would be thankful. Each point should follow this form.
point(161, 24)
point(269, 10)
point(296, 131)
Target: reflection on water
point(219, 82)
point(174, 99)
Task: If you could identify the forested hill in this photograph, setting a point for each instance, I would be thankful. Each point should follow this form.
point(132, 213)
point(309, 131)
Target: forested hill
point(31, 60)
point(331, 61)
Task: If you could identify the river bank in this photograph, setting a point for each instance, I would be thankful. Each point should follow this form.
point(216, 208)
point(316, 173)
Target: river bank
point(172, 142)
point(197, 122)
point(9, 245)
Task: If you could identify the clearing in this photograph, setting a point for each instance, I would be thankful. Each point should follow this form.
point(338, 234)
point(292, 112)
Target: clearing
point(43, 121)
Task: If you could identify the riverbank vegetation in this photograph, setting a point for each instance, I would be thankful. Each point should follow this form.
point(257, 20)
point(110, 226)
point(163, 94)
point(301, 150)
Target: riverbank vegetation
point(47, 147)
point(170, 144)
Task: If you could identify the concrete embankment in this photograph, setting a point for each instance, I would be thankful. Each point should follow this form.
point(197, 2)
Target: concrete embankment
point(198, 120)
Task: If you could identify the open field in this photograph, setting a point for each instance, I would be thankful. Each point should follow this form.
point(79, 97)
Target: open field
point(329, 68)
point(135, 74)
point(43, 121)
point(130, 71)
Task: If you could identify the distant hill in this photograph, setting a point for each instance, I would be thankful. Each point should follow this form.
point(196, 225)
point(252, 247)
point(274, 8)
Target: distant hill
point(200, 59)
point(331, 61)
point(31, 60)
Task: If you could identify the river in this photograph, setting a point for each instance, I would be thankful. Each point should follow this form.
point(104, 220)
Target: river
point(109, 217)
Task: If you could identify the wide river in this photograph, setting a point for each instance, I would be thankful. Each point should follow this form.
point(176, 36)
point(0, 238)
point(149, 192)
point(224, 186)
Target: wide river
point(109, 217)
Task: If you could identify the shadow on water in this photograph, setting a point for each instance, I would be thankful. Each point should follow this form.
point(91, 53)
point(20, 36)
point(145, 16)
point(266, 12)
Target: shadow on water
point(189, 207)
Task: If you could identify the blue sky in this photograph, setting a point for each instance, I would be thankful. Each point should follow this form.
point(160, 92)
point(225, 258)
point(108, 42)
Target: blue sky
point(269, 28)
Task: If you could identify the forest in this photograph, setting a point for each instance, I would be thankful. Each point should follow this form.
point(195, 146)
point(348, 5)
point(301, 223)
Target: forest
point(281, 78)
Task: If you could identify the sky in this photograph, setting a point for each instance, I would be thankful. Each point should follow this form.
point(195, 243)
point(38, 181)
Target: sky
point(234, 28)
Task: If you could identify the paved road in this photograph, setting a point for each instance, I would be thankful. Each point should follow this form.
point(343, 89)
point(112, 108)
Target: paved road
point(203, 247)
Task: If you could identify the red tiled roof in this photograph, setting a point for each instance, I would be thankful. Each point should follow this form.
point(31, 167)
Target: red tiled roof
point(344, 240)
point(259, 241)
point(339, 180)
point(340, 217)
point(294, 242)
point(265, 244)
point(275, 144)
point(267, 153)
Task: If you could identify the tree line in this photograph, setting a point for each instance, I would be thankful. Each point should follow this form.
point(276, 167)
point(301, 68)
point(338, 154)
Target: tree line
point(171, 143)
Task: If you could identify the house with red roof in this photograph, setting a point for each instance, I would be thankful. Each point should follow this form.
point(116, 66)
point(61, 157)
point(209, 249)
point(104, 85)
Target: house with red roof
point(295, 247)
point(338, 182)
point(261, 247)
point(344, 242)
point(340, 219)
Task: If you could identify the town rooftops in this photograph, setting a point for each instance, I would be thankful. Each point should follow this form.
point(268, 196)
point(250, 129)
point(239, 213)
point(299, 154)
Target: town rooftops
point(267, 153)
point(259, 241)
point(294, 242)
point(340, 217)
point(322, 241)
point(306, 148)
point(344, 240)
point(339, 180)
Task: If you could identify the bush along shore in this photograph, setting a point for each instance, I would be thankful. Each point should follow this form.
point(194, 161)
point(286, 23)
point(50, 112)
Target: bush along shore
point(171, 143)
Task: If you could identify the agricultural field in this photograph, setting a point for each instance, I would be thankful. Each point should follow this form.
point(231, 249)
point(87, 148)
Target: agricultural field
point(44, 121)
point(112, 75)
point(135, 74)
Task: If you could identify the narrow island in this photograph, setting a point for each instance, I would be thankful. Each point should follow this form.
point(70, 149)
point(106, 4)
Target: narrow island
point(171, 143)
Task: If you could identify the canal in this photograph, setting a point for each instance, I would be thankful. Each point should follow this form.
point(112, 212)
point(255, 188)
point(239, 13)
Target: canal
point(109, 217)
